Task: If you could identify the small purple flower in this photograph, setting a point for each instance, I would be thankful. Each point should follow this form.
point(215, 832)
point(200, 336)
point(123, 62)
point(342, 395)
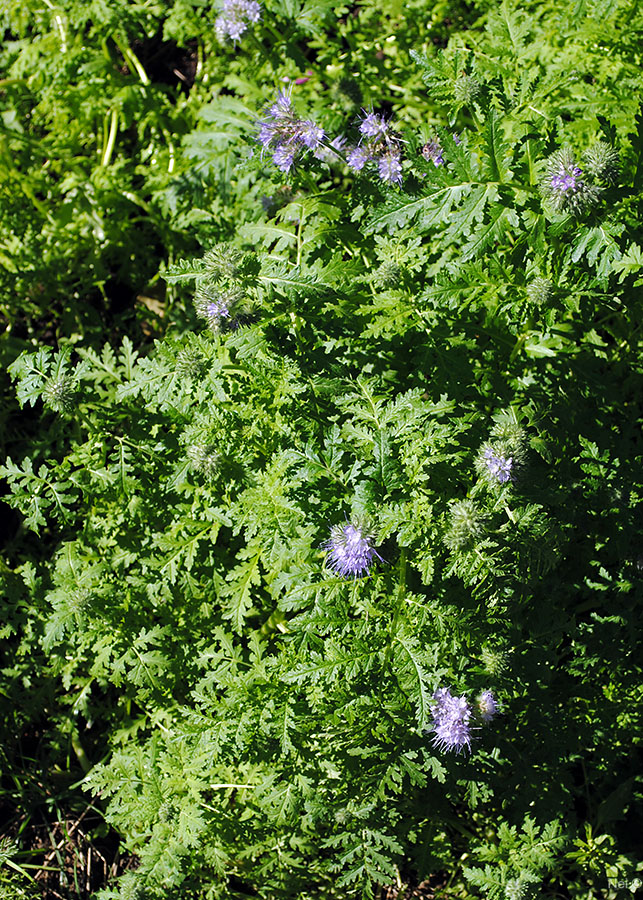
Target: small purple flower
point(283, 157)
point(451, 721)
point(357, 158)
point(282, 107)
point(497, 465)
point(351, 550)
point(432, 152)
point(304, 78)
point(566, 180)
point(563, 183)
point(487, 706)
point(235, 17)
point(373, 126)
point(390, 169)
point(217, 309)
point(310, 134)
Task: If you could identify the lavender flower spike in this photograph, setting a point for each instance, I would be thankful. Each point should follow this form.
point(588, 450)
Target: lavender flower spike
point(351, 550)
point(283, 158)
point(357, 158)
point(390, 169)
point(487, 706)
point(373, 126)
point(311, 134)
point(451, 721)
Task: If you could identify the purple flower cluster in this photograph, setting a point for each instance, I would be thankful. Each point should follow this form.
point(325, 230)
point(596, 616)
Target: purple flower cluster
point(216, 307)
point(285, 134)
point(378, 144)
point(564, 185)
point(487, 706)
point(235, 18)
point(432, 152)
point(451, 717)
point(566, 179)
point(351, 550)
point(498, 466)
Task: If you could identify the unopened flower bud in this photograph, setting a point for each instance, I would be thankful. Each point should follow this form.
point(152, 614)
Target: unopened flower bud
point(59, 394)
point(602, 161)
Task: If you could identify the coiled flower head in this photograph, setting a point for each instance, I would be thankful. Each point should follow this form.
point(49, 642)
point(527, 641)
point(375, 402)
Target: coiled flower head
point(223, 261)
point(349, 92)
point(190, 363)
point(522, 888)
point(494, 660)
point(602, 161)
point(540, 291)
point(205, 459)
point(59, 394)
point(388, 274)
point(351, 550)
point(487, 706)
point(466, 525)
point(466, 89)
point(451, 717)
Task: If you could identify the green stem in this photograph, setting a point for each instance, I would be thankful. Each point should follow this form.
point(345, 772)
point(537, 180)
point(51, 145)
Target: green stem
point(79, 750)
point(132, 60)
point(520, 343)
point(108, 149)
point(268, 55)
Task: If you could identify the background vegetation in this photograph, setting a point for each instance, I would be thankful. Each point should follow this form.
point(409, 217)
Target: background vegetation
point(194, 703)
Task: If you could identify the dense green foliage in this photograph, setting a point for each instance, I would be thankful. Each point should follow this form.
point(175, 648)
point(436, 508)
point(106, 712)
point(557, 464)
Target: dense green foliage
point(253, 723)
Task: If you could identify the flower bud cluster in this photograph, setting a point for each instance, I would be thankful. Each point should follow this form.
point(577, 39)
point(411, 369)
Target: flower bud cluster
point(466, 525)
point(205, 459)
point(59, 394)
point(467, 89)
point(494, 660)
point(540, 291)
point(602, 161)
point(190, 363)
point(235, 18)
